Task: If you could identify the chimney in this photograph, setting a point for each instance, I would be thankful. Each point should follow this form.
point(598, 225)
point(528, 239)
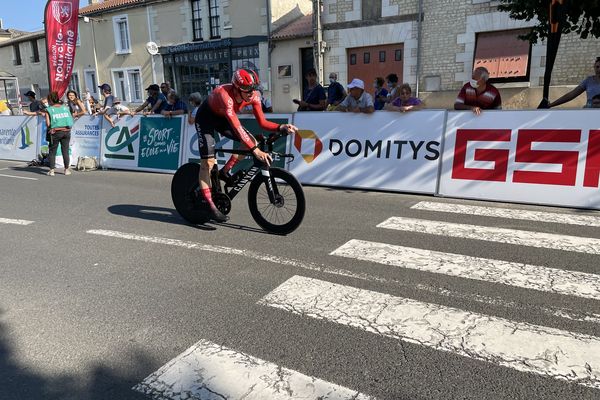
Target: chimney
point(94, 1)
point(1, 25)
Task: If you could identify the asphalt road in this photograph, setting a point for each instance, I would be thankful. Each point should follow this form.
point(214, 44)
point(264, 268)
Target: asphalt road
point(88, 316)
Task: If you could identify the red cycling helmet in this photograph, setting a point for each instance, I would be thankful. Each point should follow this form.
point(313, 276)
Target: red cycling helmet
point(245, 80)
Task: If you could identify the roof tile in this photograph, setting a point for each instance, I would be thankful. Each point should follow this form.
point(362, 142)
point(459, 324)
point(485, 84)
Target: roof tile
point(107, 5)
point(301, 27)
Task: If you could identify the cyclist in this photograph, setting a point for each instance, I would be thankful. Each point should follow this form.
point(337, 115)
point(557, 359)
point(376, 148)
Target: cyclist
point(218, 112)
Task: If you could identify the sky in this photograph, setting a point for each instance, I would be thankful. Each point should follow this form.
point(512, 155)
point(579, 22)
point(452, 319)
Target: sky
point(26, 15)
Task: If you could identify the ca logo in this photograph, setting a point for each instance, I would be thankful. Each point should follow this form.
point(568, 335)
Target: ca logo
point(125, 139)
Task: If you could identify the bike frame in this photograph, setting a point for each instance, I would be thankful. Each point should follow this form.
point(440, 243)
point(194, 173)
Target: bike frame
point(250, 174)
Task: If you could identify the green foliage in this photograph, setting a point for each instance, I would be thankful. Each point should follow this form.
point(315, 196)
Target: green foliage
point(583, 16)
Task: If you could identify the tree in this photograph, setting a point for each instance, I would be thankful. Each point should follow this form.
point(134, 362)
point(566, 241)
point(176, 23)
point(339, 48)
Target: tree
point(581, 16)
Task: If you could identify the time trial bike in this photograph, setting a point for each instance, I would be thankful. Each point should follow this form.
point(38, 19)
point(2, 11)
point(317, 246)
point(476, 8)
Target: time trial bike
point(275, 197)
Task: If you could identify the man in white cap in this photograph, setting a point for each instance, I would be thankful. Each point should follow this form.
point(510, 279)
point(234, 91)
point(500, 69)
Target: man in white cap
point(357, 100)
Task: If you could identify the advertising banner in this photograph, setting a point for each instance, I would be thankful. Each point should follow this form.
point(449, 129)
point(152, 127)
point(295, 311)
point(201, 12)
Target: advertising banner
point(538, 157)
point(385, 150)
point(61, 22)
point(120, 145)
point(191, 153)
point(18, 138)
point(143, 143)
point(86, 138)
point(160, 144)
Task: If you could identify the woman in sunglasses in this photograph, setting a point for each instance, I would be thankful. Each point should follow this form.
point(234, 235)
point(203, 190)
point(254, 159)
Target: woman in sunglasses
point(590, 85)
point(218, 113)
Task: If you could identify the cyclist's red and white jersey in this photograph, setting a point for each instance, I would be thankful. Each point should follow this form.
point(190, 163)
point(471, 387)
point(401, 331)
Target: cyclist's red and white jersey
point(222, 102)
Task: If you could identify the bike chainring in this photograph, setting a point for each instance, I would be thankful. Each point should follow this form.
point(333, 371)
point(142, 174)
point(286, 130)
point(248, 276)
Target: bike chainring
point(223, 202)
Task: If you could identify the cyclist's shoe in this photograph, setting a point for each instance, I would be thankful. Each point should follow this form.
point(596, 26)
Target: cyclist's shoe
point(226, 177)
point(218, 216)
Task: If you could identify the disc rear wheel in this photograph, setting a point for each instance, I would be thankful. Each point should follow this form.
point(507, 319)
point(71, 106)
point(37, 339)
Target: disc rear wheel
point(186, 195)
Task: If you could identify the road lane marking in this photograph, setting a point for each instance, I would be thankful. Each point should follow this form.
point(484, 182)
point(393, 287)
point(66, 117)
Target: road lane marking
point(573, 315)
point(210, 371)
point(15, 221)
point(553, 280)
point(500, 235)
point(524, 347)
point(526, 215)
point(19, 177)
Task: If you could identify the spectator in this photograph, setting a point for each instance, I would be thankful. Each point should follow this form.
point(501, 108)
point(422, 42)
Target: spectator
point(477, 94)
point(392, 84)
point(88, 101)
point(5, 108)
point(155, 102)
point(195, 100)
point(380, 93)
point(165, 89)
point(405, 102)
point(59, 122)
point(314, 97)
point(267, 107)
point(335, 92)
point(174, 106)
point(596, 101)
point(357, 100)
point(108, 98)
point(590, 85)
point(36, 107)
point(117, 109)
point(75, 104)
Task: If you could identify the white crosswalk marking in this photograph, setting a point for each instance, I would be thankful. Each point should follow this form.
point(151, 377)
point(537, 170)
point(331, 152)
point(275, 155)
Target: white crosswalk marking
point(574, 315)
point(209, 371)
point(524, 347)
point(537, 216)
point(501, 235)
point(15, 221)
point(553, 280)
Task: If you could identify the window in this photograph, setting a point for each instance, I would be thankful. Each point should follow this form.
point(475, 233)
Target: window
point(398, 55)
point(135, 83)
point(382, 56)
point(213, 12)
point(91, 82)
point(371, 10)
point(35, 51)
point(74, 83)
point(16, 54)
point(352, 59)
point(196, 20)
point(504, 55)
point(366, 58)
point(121, 29)
point(128, 85)
point(245, 57)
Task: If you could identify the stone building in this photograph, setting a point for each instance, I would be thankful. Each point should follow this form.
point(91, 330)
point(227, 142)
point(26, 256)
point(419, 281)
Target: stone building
point(199, 42)
point(368, 38)
point(23, 55)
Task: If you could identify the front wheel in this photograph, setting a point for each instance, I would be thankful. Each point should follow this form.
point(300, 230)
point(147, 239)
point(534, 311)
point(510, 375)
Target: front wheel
point(284, 213)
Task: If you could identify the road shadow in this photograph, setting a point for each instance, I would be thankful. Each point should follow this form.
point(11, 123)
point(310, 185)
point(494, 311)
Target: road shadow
point(36, 169)
point(158, 214)
point(100, 382)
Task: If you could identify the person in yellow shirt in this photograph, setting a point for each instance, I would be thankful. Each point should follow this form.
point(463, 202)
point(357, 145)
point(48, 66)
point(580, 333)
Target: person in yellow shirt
point(4, 108)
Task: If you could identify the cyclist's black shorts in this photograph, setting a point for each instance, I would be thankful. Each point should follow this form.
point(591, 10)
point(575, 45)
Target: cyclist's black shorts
point(207, 122)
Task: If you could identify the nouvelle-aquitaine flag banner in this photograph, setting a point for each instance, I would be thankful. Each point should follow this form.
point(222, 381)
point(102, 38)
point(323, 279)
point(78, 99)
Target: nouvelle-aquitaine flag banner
point(61, 20)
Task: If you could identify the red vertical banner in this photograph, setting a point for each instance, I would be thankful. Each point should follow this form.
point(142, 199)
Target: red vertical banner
point(61, 21)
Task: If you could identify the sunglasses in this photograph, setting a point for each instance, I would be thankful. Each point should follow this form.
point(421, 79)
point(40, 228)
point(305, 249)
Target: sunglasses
point(247, 89)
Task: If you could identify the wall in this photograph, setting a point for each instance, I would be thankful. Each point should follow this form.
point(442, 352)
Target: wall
point(28, 73)
point(287, 52)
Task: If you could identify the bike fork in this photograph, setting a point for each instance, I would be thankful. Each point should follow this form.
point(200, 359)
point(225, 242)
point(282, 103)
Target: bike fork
point(270, 184)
